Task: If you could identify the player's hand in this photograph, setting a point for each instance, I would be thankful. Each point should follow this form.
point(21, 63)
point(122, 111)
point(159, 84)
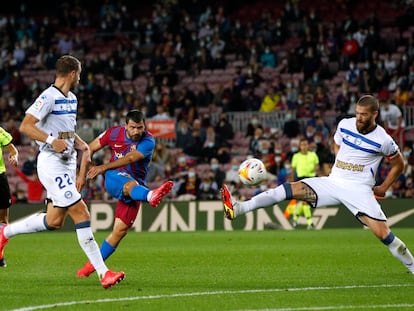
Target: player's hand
point(80, 182)
point(95, 171)
point(379, 191)
point(59, 145)
point(13, 160)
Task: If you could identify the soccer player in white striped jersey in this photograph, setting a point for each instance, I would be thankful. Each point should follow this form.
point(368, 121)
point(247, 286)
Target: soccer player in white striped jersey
point(51, 122)
point(360, 145)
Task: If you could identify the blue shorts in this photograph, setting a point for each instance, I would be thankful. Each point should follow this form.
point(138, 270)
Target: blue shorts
point(114, 184)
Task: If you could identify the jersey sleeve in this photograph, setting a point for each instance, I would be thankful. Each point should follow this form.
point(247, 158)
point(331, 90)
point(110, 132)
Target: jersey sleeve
point(5, 137)
point(338, 136)
point(389, 148)
point(41, 107)
point(104, 137)
point(146, 146)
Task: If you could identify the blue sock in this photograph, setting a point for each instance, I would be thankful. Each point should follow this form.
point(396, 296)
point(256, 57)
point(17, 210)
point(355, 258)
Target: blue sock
point(139, 193)
point(388, 240)
point(107, 250)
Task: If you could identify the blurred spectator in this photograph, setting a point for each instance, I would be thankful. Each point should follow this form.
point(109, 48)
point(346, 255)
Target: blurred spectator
point(19, 55)
point(321, 127)
point(216, 47)
point(321, 100)
point(251, 101)
point(352, 74)
point(181, 165)
point(380, 76)
point(198, 138)
point(366, 83)
point(161, 164)
point(204, 96)
point(291, 128)
point(398, 188)
point(94, 189)
point(188, 186)
point(254, 143)
point(232, 174)
point(349, 50)
point(224, 130)
point(392, 117)
point(210, 146)
point(268, 58)
point(29, 166)
point(12, 128)
point(189, 111)
point(216, 172)
point(252, 78)
point(309, 132)
point(162, 113)
point(18, 90)
point(325, 154)
point(343, 98)
point(65, 44)
point(208, 189)
point(252, 125)
point(271, 101)
point(183, 134)
point(35, 190)
point(285, 172)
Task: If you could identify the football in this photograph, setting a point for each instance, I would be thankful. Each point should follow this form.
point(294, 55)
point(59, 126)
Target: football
point(252, 172)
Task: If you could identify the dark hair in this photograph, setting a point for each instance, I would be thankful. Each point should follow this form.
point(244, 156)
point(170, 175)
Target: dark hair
point(369, 101)
point(66, 64)
point(134, 115)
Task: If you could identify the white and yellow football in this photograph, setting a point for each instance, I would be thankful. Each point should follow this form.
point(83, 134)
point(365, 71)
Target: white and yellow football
point(252, 172)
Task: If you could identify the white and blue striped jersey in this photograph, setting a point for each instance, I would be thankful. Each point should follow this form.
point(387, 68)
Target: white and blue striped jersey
point(360, 155)
point(57, 115)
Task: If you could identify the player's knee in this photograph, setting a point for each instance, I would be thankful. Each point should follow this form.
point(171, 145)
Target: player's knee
point(53, 224)
point(129, 185)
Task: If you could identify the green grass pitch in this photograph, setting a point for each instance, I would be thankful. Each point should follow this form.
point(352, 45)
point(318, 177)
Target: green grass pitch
point(332, 269)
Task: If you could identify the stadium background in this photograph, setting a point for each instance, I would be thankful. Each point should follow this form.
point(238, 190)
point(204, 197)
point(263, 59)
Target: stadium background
point(129, 64)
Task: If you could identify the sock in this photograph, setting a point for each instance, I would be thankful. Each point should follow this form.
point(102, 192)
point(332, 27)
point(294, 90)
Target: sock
point(400, 251)
point(139, 193)
point(107, 250)
point(307, 212)
point(90, 247)
point(264, 199)
point(30, 224)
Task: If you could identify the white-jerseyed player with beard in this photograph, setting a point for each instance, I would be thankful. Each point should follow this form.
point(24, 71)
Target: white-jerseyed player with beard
point(360, 145)
point(51, 122)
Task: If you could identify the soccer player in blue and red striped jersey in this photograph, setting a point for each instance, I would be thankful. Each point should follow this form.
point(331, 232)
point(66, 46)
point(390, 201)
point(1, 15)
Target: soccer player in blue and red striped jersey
point(132, 147)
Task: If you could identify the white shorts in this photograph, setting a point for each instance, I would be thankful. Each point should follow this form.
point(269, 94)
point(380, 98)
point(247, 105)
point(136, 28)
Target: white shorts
point(359, 199)
point(58, 176)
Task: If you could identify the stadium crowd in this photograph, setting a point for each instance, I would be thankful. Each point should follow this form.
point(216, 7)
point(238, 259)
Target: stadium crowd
point(194, 60)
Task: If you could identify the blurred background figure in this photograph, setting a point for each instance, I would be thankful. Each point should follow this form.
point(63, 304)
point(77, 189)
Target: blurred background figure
point(188, 186)
point(35, 189)
point(162, 160)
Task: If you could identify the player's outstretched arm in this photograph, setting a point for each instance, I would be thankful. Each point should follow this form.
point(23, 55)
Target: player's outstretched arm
point(13, 154)
point(130, 157)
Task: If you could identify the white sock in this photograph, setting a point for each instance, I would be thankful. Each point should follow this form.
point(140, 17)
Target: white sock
point(33, 223)
point(91, 249)
point(264, 199)
point(401, 252)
